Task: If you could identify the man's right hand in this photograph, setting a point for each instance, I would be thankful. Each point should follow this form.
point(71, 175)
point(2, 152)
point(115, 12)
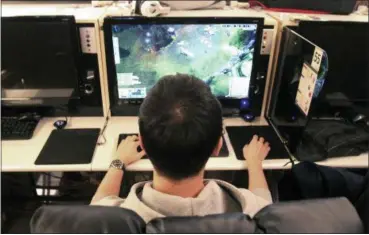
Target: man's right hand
point(127, 150)
point(256, 151)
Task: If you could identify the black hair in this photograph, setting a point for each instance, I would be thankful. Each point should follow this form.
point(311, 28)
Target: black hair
point(180, 125)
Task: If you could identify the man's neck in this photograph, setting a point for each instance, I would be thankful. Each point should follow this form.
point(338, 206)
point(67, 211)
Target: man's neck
point(190, 187)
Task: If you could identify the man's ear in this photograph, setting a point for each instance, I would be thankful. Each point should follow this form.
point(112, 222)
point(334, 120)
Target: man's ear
point(141, 144)
point(218, 147)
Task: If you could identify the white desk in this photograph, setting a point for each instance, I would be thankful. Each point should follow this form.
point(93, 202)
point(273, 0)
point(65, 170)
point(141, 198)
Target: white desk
point(20, 155)
point(223, 13)
point(83, 12)
point(118, 125)
point(361, 161)
point(286, 18)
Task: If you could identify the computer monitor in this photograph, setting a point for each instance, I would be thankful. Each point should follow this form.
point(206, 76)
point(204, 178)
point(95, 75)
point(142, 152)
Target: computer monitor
point(346, 45)
point(39, 59)
point(301, 70)
point(223, 52)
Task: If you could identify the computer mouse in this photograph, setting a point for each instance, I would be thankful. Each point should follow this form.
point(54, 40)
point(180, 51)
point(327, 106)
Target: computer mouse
point(359, 118)
point(60, 124)
point(248, 117)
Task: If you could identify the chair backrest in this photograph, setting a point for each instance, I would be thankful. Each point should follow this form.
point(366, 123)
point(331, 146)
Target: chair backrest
point(362, 204)
point(335, 215)
point(86, 219)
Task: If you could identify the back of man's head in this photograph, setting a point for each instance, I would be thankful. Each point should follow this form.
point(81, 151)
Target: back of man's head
point(180, 125)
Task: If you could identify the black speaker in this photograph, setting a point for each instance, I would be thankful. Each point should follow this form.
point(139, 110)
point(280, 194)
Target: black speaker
point(89, 82)
point(262, 71)
point(89, 87)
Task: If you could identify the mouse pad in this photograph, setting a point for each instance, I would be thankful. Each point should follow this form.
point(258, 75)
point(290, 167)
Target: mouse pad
point(241, 135)
point(69, 146)
point(222, 153)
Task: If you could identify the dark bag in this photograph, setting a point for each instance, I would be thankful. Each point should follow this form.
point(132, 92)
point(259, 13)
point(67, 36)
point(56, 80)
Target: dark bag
point(326, 139)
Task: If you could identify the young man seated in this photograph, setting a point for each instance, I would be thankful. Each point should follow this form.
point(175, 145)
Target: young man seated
point(180, 125)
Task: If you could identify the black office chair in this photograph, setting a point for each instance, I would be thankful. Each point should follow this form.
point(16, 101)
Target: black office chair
point(335, 215)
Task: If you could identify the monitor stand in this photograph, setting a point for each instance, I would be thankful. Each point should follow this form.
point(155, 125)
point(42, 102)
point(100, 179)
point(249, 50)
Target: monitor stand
point(36, 97)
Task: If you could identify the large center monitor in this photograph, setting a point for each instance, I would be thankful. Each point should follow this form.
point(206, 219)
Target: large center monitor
point(223, 52)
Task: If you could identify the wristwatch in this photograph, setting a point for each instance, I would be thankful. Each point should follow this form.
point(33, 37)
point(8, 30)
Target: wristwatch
point(118, 164)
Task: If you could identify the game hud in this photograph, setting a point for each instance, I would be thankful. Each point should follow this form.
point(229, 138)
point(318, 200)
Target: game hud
point(220, 54)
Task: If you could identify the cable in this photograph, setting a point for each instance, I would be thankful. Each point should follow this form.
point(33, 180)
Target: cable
point(290, 161)
point(300, 11)
point(258, 4)
point(102, 133)
point(62, 108)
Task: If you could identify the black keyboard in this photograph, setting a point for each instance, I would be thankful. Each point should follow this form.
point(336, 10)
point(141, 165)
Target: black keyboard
point(14, 128)
point(222, 153)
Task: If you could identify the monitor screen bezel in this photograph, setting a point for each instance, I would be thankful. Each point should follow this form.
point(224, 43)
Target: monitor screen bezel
point(111, 69)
